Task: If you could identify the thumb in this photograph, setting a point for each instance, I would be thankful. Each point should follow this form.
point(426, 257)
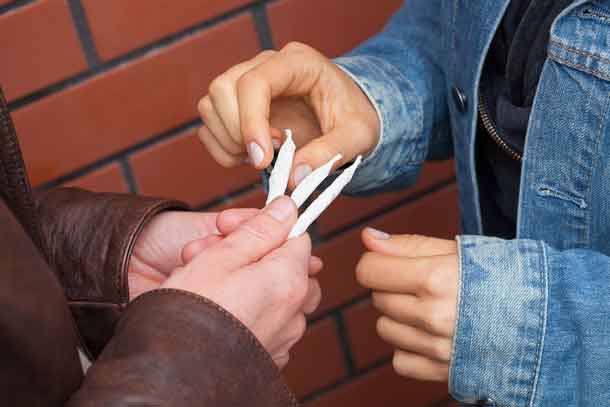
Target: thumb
point(253, 239)
point(192, 249)
point(348, 141)
point(406, 245)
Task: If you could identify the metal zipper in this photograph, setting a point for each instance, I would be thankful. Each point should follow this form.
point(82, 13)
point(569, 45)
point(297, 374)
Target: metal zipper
point(493, 133)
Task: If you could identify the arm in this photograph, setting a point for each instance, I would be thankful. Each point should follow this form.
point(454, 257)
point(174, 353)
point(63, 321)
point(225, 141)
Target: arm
point(88, 239)
point(173, 348)
point(401, 70)
point(170, 348)
point(533, 324)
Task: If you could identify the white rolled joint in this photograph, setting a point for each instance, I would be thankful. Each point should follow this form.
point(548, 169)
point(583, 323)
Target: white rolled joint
point(278, 181)
point(323, 201)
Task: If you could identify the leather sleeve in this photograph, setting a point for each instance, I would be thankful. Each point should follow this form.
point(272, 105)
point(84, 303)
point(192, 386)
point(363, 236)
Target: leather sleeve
point(172, 348)
point(87, 239)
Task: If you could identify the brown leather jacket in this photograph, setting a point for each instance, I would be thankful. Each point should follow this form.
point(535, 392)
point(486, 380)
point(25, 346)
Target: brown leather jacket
point(63, 284)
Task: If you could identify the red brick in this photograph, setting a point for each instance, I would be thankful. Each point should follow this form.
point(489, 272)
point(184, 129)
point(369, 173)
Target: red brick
point(332, 27)
point(436, 214)
point(181, 168)
point(107, 179)
point(252, 199)
point(127, 105)
point(337, 280)
point(4, 2)
point(39, 47)
point(366, 346)
point(119, 26)
point(383, 387)
point(316, 361)
point(347, 210)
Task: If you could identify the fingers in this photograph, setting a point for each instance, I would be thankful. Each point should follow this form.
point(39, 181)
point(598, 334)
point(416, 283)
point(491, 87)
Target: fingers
point(291, 334)
point(314, 296)
point(290, 72)
point(406, 245)
point(393, 274)
point(218, 153)
point(219, 111)
point(315, 265)
point(213, 121)
point(223, 95)
point(419, 367)
point(344, 140)
point(400, 307)
point(192, 249)
point(254, 239)
point(414, 340)
point(228, 221)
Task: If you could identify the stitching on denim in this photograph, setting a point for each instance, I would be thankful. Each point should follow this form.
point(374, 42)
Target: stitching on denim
point(543, 322)
point(602, 122)
point(579, 51)
point(458, 308)
point(592, 14)
point(584, 68)
point(545, 190)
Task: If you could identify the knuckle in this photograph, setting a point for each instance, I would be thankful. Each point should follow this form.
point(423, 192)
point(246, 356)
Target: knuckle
point(300, 327)
point(363, 269)
point(220, 85)
point(431, 281)
point(296, 46)
point(250, 79)
point(258, 232)
point(267, 53)
point(398, 364)
point(436, 321)
point(205, 107)
point(439, 350)
point(381, 326)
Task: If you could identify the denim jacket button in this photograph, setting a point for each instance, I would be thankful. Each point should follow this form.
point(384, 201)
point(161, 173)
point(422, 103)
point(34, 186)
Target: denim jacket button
point(488, 402)
point(460, 99)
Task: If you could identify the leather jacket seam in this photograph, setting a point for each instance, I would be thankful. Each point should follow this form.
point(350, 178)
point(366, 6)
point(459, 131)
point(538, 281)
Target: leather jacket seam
point(261, 353)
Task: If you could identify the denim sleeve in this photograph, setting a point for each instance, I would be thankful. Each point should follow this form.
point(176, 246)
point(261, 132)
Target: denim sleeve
point(401, 70)
point(533, 326)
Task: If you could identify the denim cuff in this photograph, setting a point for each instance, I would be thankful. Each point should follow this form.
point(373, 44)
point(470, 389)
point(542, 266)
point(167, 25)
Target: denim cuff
point(501, 321)
point(400, 150)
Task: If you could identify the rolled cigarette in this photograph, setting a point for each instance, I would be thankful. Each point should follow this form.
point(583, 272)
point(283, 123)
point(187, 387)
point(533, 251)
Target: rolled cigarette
point(312, 181)
point(278, 181)
point(324, 200)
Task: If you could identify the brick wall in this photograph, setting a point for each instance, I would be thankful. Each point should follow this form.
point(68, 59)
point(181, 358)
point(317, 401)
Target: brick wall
point(104, 92)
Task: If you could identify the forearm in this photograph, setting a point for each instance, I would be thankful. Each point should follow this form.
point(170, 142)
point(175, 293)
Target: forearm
point(401, 70)
point(529, 314)
point(173, 348)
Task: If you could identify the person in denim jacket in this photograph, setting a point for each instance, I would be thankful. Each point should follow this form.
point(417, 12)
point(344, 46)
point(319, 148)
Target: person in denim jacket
point(516, 311)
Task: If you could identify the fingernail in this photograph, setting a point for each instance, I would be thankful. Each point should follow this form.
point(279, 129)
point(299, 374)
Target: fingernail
point(378, 234)
point(256, 153)
point(301, 172)
point(276, 143)
point(281, 209)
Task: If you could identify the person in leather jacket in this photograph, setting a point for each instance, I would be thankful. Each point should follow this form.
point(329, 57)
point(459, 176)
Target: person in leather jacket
point(175, 308)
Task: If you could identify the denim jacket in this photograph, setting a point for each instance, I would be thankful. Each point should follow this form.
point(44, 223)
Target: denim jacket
point(533, 325)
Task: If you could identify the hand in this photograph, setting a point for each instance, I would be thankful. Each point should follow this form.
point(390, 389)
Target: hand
point(258, 276)
point(158, 250)
point(295, 88)
point(415, 286)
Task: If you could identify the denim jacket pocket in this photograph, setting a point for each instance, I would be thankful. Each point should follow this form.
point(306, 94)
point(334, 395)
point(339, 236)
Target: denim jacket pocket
point(580, 39)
